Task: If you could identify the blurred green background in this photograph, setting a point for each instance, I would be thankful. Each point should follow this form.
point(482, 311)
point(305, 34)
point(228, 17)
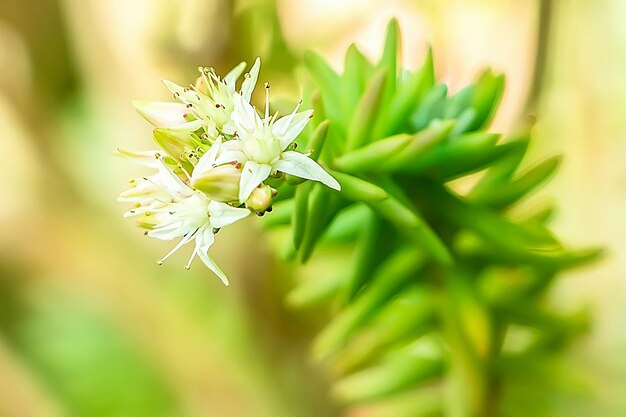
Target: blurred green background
point(91, 327)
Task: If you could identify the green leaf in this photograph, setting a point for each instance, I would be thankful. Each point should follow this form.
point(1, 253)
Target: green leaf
point(367, 112)
point(407, 97)
point(394, 375)
point(399, 269)
point(313, 292)
point(357, 70)
point(368, 253)
point(411, 224)
point(408, 316)
point(317, 140)
point(373, 154)
point(300, 213)
point(430, 108)
point(421, 143)
point(358, 189)
point(323, 207)
point(487, 94)
point(389, 61)
point(458, 156)
point(329, 83)
point(509, 193)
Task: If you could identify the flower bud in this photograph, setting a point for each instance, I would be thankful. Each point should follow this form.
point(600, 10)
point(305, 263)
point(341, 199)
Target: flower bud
point(162, 114)
point(260, 200)
point(220, 183)
point(201, 85)
point(174, 143)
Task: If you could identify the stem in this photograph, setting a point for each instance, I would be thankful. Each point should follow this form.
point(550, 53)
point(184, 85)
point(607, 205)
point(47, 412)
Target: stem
point(546, 13)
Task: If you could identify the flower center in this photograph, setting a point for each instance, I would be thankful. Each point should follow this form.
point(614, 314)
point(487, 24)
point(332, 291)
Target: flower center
point(263, 149)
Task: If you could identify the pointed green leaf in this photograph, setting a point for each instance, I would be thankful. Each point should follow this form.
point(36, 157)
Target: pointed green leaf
point(300, 213)
point(406, 99)
point(358, 189)
point(509, 193)
point(430, 108)
point(329, 83)
point(409, 223)
point(367, 112)
point(487, 94)
point(394, 375)
point(317, 140)
point(373, 154)
point(357, 70)
point(399, 269)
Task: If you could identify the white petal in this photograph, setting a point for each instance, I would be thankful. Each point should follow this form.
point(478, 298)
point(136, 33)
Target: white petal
point(173, 183)
point(252, 175)
point(204, 240)
point(168, 232)
point(175, 89)
point(186, 239)
point(207, 160)
point(162, 113)
point(230, 151)
point(231, 78)
point(221, 214)
point(244, 115)
point(145, 158)
point(302, 166)
point(248, 84)
point(287, 128)
point(190, 126)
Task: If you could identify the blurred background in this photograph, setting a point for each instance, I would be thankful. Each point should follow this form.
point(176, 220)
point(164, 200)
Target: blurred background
point(91, 327)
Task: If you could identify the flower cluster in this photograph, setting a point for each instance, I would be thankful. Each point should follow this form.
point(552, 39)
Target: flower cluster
point(216, 152)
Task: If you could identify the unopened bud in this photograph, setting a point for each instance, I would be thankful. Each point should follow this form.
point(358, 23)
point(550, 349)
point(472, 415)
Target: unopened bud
point(201, 85)
point(220, 183)
point(260, 199)
point(174, 143)
point(162, 114)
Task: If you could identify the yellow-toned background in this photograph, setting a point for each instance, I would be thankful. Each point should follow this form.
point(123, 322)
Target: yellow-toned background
point(90, 326)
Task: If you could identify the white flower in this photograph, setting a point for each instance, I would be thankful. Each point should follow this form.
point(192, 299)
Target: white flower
point(211, 101)
point(261, 145)
point(171, 209)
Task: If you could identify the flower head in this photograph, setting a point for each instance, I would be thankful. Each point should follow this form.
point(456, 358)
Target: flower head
point(170, 209)
point(262, 146)
point(216, 153)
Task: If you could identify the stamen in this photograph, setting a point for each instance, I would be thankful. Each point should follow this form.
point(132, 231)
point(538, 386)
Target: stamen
point(267, 100)
point(193, 255)
point(291, 116)
point(180, 244)
point(184, 172)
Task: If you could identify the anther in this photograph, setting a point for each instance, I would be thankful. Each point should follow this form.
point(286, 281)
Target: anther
point(189, 105)
point(159, 262)
point(145, 233)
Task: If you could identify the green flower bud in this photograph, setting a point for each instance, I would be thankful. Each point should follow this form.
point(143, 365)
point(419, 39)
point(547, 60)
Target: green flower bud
point(261, 199)
point(174, 143)
point(220, 183)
